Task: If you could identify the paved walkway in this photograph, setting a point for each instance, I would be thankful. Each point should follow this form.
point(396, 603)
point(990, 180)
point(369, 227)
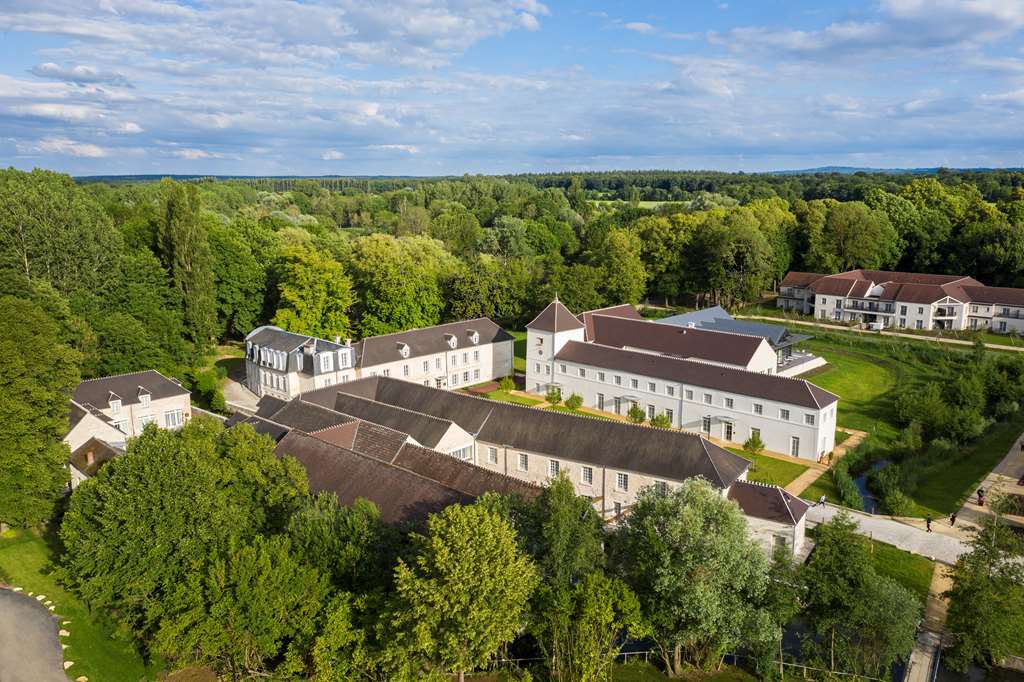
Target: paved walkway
point(915, 337)
point(933, 628)
point(809, 477)
point(29, 647)
point(1004, 479)
point(944, 547)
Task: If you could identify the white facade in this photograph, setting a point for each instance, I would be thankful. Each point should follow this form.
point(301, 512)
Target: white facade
point(455, 368)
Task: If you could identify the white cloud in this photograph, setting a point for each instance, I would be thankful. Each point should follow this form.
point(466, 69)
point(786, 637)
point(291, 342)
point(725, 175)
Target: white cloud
point(407, 148)
point(528, 21)
point(77, 74)
point(64, 112)
point(639, 27)
point(195, 154)
point(332, 155)
point(129, 128)
point(64, 146)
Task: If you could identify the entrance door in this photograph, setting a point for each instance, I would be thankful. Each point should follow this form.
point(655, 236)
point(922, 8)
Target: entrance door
point(727, 431)
point(618, 406)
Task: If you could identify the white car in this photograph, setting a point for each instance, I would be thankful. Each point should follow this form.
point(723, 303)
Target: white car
point(876, 326)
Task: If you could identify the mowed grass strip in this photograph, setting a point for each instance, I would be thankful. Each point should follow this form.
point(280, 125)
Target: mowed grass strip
point(26, 561)
point(910, 570)
point(770, 470)
point(506, 397)
point(519, 351)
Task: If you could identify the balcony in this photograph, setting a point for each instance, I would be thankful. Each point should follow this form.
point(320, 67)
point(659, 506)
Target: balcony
point(1011, 314)
point(945, 312)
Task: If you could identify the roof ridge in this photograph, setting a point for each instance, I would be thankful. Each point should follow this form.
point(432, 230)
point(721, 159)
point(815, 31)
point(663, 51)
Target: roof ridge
point(438, 453)
point(127, 374)
point(433, 326)
point(397, 407)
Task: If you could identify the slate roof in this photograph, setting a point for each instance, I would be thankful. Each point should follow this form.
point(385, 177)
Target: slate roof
point(427, 430)
point(682, 342)
point(741, 382)
point(717, 319)
point(462, 476)
point(625, 310)
point(674, 455)
point(307, 417)
point(376, 350)
point(102, 453)
point(555, 318)
point(275, 338)
point(768, 502)
point(379, 442)
point(127, 387)
point(259, 424)
point(76, 413)
point(402, 495)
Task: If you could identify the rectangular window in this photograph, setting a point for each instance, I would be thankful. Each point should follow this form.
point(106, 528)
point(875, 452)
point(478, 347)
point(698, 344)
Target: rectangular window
point(809, 419)
point(426, 365)
point(707, 398)
point(622, 481)
point(784, 414)
point(728, 403)
point(465, 358)
point(661, 487)
point(920, 311)
point(755, 432)
point(634, 383)
point(146, 419)
point(618, 405)
point(536, 367)
point(455, 379)
point(465, 377)
point(326, 362)
point(582, 372)
point(688, 394)
point(476, 356)
point(903, 310)
point(561, 368)
point(144, 400)
point(524, 461)
point(1002, 325)
point(758, 408)
point(670, 390)
point(670, 415)
point(587, 475)
point(553, 467)
point(115, 407)
point(600, 376)
point(405, 370)
point(903, 323)
point(173, 419)
point(600, 401)
point(919, 324)
point(465, 454)
point(650, 411)
point(476, 375)
point(437, 363)
point(651, 387)
point(492, 455)
point(794, 446)
point(386, 372)
point(618, 380)
point(618, 508)
point(705, 425)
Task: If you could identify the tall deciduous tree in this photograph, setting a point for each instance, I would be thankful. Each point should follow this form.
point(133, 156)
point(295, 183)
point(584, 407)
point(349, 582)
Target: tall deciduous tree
point(239, 279)
point(185, 252)
point(463, 594)
point(37, 374)
point(314, 294)
point(700, 578)
point(625, 277)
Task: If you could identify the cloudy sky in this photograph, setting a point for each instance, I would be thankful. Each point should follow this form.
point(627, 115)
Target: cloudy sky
point(425, 87)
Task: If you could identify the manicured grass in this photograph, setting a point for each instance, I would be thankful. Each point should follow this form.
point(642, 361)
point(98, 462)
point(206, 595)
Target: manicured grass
point(769, 469)
point(910, 570)
point(519, 351)
point(581, 413)
point(823, 486)
point(26, 561)
point(947, 483)
point(506, 397)
point(841, 437)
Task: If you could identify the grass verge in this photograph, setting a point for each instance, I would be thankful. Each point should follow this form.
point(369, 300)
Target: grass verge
point(26, 560)
point(770, 470)
point(506, 397)
point(910, 570)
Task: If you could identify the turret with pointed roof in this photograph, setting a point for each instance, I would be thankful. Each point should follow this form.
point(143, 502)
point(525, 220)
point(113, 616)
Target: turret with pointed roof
point(555, 318)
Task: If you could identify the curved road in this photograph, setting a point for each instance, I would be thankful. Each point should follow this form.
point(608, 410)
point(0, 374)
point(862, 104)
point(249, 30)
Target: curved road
point(29, 646)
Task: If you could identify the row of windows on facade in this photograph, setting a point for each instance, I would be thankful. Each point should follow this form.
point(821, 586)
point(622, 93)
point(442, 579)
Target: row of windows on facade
point(555, 467)
point(652, 387)
point(454, 377)
point(172, 420)
point(115, 405)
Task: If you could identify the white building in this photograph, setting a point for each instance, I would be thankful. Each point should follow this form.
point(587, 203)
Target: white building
point(791, 416)
point(282, 364)
point(903, 300)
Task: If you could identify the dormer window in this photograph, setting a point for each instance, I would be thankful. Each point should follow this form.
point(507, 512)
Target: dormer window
point(143, 397)
point(453, 342)
point(474, 336)
point(403, 350)
point(326, 362)
point(115, 405)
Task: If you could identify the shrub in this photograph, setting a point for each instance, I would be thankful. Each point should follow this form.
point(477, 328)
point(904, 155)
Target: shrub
point(507, 384)
point(754, 445)
point(849, 493)
point(553, 396)
point(574, 402)
point(636, 414)
point(897, 503)
point(662, 421)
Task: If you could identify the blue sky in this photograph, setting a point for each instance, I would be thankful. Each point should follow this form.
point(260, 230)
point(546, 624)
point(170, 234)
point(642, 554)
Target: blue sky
point(425, 87)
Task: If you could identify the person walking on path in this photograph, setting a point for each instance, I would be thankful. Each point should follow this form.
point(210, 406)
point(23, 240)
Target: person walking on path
point(981, 497)
point(821, 502)
point(928, 523)
point(952, 519)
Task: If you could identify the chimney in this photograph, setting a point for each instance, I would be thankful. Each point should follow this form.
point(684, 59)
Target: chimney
point(89, 458)
point(348, 343)
point(337, 338)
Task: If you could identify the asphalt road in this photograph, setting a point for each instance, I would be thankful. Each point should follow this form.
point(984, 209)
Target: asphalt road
point(29, 646)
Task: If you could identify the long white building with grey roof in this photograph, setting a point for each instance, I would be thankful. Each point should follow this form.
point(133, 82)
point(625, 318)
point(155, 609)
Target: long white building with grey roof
point(284, 364)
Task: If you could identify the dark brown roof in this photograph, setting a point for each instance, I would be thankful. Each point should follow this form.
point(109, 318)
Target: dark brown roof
point(833, 286)
point(879, 276)
point(76, 413)
point(768, 502)
point(625, 310)
point(681, 342)
point(102, 452)
point(462, 476)
point(668, 454)
point(916, 293)
point(800, 279)
point(995, 295)
point(308, 417)
point(427, 430)
point(555, 318)
point(376, 350)
point(259, 424)
point(127, 388)
point(402, 495)
point(379, 442)
point(741, 382)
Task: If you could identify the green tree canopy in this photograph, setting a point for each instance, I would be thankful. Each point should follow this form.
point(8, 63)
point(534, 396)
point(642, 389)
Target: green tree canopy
point(314, 294)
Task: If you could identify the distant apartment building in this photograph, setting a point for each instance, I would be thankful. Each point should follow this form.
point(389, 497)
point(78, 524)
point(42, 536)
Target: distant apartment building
point(904, 300)
point(455, 355)
point(717, 384)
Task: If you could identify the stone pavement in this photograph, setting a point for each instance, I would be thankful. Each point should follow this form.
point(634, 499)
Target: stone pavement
point(937, 546)
point(30, 650)
point(933, 628)
point(1003, 479)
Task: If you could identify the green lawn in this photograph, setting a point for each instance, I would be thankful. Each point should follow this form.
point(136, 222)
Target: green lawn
point(841, 437)
point(823, 486)
point(26, 561)
point(506, 397)
point(519, 351)
point(563, 408)
point(769, 469)
point(910, 570)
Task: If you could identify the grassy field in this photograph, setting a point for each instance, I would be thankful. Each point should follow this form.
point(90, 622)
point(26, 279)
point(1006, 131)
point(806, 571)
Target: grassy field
point(26, 561)
point(769, 469)
point(910, 570)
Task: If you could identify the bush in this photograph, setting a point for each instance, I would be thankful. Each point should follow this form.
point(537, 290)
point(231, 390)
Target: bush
point(897, 503)
point(574, 402)
point(553, 396)
point(507, 384)
point(849, 493)
point(754, 445)
point(636, 414)
point(662, 421)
